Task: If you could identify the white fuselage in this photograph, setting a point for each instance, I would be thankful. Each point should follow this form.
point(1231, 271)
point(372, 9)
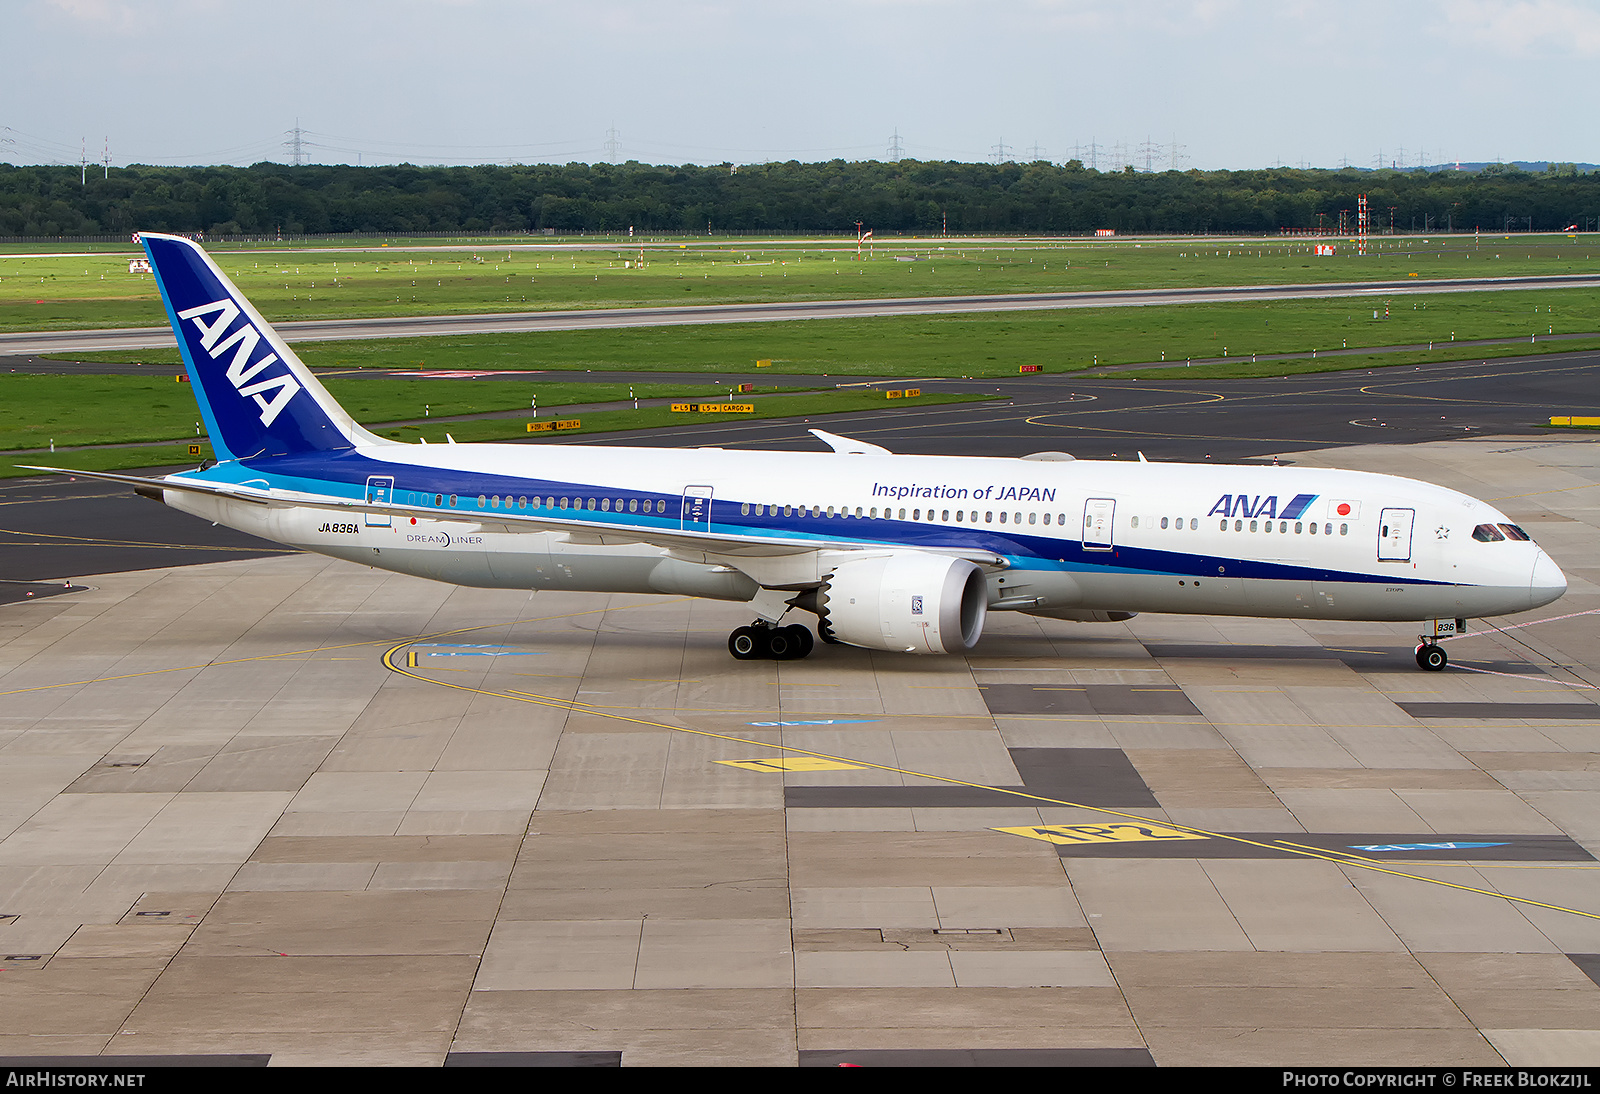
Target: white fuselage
point(1067, 537)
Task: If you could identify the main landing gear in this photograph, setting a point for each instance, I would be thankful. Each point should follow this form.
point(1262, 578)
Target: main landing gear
point(1431, 656)
point(763, 642)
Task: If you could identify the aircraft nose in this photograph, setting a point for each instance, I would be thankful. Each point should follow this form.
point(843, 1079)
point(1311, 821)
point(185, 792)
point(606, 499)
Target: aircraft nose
point(1547, 582)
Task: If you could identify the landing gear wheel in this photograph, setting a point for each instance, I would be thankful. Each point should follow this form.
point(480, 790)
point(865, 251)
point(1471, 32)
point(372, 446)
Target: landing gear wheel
point(746, 644)
point(762, 642)
point(781, 645)
point(1431, 657)
point(803, 641)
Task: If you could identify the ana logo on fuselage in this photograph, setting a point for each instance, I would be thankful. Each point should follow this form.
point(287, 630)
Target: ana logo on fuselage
point(1243, 505)
point(243, 342)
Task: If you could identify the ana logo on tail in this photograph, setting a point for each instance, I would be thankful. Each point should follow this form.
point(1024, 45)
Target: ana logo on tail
point(243, 342)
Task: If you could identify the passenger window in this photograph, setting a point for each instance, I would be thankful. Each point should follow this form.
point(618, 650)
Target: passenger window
point(1163, 524)
point(1344, 529)
point(744, 510)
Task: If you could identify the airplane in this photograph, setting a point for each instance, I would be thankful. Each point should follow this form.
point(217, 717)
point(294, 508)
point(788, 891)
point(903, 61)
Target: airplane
point(889, 552)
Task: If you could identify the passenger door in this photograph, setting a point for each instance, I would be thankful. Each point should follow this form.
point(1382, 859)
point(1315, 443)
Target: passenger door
point(1394, 534)
point(1099, 518)
point(380, 489)
point(695, 514)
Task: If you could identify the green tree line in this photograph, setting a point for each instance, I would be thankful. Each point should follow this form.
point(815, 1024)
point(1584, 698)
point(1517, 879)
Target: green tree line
point(907, 196)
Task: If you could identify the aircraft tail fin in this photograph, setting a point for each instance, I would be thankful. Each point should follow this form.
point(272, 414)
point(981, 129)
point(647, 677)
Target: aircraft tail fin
point(255, 394)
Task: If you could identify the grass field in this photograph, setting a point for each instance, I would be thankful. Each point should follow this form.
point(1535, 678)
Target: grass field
point(98, 410)
point(983, 344)
point(105, 454)
point(608, 421)
point(96, 290)
point(1244, 368)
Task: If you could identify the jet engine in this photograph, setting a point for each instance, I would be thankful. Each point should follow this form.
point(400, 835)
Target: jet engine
point(907, 602)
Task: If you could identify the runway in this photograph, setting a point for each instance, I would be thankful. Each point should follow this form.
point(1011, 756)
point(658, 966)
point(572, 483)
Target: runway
point(288, 810)
point(18, 343)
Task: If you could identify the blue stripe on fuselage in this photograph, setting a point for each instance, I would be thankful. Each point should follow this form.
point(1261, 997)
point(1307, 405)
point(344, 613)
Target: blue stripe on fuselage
point(344, 475)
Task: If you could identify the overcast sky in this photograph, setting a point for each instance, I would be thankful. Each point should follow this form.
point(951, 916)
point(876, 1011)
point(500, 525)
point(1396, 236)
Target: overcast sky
point(1218, 83)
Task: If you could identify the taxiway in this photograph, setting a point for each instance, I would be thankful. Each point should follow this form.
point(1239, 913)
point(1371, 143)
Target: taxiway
point(283, 809)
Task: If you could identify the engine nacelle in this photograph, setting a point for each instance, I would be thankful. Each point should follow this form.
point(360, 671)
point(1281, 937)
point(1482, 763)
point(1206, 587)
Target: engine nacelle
point(908, 603)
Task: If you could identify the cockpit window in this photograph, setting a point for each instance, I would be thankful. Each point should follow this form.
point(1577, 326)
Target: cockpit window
point(1487, 533)
point(1513, 532)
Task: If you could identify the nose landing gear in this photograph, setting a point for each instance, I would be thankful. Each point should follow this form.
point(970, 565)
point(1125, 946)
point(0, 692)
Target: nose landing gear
point(762, 641)
point(1431, 656)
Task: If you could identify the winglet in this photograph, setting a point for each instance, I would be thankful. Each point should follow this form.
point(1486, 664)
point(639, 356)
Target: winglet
point(849, 446)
